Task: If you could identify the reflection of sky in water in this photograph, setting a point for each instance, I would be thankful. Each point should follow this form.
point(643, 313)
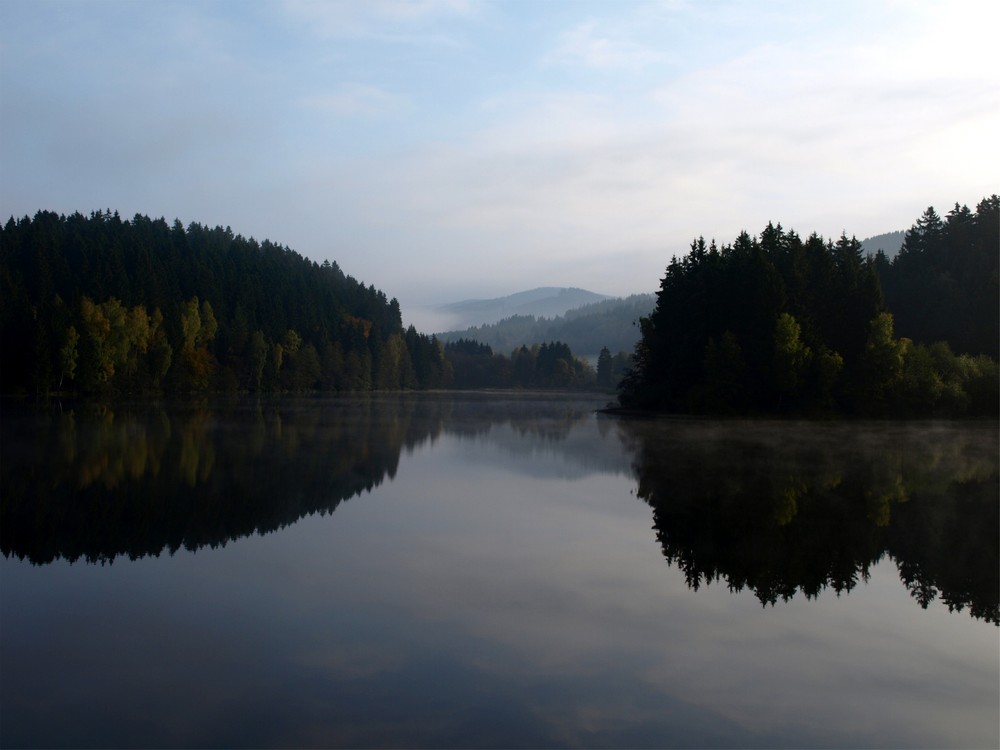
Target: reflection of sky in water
point(574, 454)
point(480, 598)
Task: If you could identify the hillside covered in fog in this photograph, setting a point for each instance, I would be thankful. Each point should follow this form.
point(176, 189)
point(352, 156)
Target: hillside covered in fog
point(611, 323)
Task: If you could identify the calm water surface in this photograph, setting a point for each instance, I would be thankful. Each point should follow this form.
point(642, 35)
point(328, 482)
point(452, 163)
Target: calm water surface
point(492, 571)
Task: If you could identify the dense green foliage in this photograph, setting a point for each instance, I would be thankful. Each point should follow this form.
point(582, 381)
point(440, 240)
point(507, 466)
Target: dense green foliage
point(588, 329)
point(772, 323)
point(99, 304)
point(777, 324)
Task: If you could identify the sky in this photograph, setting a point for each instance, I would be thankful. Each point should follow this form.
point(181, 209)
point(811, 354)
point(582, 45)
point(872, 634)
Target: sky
point(452, 149)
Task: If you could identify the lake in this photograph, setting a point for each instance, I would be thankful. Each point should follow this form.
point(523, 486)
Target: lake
point(492, 570)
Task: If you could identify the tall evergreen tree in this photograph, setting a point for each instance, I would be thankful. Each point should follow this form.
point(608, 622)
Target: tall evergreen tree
point(776, 324)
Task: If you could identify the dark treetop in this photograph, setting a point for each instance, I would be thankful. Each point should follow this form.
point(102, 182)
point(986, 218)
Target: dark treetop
point(778, 324)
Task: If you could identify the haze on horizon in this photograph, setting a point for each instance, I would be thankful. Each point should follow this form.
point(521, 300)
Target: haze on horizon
point(450, 149)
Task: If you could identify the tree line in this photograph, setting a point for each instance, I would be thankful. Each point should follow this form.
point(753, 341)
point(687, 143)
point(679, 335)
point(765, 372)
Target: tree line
point(547, 365)
point(780, 324)
point(775, 323)
point(98, 304)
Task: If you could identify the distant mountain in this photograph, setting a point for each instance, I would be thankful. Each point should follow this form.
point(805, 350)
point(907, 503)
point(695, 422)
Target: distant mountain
point(546, 301)
point(889, 243)
point(586, 330)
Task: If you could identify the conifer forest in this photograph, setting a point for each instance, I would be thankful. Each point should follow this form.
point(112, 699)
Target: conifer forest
point(768, 324)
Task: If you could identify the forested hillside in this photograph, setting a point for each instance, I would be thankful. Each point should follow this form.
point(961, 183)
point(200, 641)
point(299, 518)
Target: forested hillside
point(101, 304)
point(778, 324)
point(587, 329)
point(889, 243)
point(775, 323)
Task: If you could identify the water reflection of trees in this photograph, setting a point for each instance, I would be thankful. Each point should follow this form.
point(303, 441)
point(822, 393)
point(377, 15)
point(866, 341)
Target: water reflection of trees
point(777, 509)
point(782, 508)
point(97, 482)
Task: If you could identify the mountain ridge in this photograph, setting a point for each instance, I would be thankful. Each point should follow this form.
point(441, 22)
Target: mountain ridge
point(543, 301)
point(611, 323)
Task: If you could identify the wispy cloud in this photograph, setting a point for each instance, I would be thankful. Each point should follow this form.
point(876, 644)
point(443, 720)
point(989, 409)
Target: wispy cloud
point(591, 45)
point(394, 21)
point(356, 100)
point(501, 144)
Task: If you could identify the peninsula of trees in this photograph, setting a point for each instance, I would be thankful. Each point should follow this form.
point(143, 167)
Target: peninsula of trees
point(778, 324)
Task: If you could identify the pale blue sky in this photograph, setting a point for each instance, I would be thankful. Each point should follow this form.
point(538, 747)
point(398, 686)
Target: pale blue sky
point(447, 149)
